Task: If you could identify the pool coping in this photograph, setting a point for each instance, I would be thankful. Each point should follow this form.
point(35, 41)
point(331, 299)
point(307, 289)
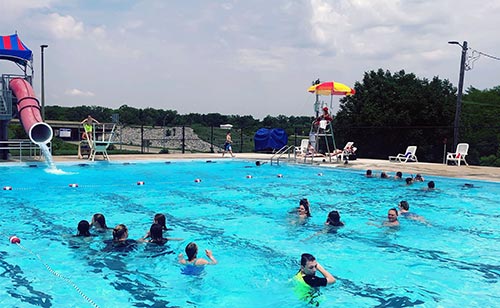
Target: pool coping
point(467, 172)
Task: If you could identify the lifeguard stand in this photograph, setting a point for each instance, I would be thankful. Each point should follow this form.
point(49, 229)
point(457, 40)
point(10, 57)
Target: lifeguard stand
point(321, 136)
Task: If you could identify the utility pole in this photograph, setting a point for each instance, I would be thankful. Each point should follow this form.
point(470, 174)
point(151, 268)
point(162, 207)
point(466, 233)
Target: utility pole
point(458, 110)
point(42, 47)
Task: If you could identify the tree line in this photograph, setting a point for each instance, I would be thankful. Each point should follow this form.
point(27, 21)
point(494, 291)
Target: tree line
point(388, 112)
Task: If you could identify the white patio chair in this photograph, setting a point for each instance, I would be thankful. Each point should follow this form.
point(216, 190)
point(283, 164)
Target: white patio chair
point(302, 149)
point(459, 155)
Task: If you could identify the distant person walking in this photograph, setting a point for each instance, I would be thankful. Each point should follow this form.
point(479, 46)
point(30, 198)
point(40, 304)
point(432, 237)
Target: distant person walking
point(227, 145)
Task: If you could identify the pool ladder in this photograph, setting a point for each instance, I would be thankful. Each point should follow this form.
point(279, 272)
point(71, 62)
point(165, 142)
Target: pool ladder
point(286, 149)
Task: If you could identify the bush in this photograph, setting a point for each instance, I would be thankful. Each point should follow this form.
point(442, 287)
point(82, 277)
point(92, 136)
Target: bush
point(490, 160)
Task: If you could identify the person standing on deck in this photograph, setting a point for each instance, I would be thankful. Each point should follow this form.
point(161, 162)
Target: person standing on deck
point(88, 126)
point(227, 145)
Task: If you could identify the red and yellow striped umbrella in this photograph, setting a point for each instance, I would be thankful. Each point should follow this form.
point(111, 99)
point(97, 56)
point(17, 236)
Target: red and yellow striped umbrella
point(331, 88)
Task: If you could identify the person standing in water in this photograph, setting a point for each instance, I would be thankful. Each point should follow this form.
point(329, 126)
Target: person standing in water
point(192, 256)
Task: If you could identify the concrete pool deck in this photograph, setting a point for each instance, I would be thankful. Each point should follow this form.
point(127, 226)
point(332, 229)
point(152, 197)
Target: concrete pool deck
point(467, 172)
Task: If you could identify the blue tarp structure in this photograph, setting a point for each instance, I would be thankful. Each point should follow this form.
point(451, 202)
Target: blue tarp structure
point(12, 49)
point(270, 139)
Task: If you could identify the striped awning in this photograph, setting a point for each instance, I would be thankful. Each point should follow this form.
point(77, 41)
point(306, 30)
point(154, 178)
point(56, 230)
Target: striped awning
point(12, 49)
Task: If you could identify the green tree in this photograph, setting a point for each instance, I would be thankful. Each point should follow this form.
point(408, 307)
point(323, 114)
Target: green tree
point(480, 126)
point(390, 111)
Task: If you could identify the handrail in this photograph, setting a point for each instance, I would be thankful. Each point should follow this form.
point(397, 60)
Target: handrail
point(285, 149)
point(21, 145)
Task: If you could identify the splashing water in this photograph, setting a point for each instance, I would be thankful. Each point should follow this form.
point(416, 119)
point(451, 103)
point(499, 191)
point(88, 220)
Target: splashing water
point(48, 156)
point(50, 162)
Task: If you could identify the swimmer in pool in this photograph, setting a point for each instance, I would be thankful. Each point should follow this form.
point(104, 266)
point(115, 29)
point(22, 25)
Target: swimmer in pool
point(333, 219)
point(160, 219)
point(156, 234)
point(99, 223)
point(304, 209)
point(83, 228)
point(392, 218)
point(192, 252)
point(404, 211)
point(369, 173)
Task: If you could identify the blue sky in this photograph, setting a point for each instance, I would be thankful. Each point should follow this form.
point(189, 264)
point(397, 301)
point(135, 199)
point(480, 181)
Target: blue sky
point(250, 57)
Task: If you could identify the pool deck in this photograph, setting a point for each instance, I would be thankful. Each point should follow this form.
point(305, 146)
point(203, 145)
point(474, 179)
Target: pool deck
point(468, 172)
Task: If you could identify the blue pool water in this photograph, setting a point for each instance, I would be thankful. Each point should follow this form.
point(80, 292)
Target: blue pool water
point(247, 224)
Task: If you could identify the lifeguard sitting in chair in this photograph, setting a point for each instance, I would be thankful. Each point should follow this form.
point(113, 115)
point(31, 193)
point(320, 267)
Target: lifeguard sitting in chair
point(324, 117)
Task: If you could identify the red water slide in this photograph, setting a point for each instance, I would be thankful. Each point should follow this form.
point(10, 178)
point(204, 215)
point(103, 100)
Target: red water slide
point(29, 111)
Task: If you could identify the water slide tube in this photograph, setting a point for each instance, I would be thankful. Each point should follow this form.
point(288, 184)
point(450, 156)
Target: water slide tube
point(29, 112)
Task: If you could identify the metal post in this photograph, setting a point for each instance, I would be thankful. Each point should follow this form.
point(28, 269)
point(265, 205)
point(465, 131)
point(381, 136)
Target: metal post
point(212, 139)
point(458, 110)
point(445, 140)
point(295, 137)
point(183, 139)
point(42, 47)
point(241, 140)
point(142, 138)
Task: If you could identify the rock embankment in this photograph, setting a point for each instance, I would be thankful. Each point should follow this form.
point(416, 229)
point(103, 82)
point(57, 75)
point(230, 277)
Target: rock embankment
point(168, 137)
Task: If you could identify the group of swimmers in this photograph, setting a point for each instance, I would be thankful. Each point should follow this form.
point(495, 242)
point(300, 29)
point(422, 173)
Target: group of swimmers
point(304, 211)
point(399, 176)
point(307, 282)
point(121, 242)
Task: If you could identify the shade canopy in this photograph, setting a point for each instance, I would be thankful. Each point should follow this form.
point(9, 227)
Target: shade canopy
point(331, 88)
point(13, 49)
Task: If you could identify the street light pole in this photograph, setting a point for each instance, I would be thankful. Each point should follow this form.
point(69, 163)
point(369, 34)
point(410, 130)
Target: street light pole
point(42, 47)
point(458, 109)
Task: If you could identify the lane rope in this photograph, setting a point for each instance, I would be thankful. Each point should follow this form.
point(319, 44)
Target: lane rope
point(53, 272)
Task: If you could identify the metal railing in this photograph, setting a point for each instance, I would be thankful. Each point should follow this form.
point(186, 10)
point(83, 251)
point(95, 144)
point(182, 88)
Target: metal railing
point(284, 150)
point(23, 147)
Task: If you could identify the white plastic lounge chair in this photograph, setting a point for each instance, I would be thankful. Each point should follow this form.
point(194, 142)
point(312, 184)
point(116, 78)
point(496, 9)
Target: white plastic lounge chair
point(349, 149)
point(302, 149)
point(408, 156)
point(459, 155)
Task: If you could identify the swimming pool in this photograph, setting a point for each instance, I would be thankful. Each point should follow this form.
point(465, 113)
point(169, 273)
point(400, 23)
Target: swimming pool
point(241, 213)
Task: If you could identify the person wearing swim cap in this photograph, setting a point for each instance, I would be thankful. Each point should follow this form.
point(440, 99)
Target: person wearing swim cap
point(307, 283)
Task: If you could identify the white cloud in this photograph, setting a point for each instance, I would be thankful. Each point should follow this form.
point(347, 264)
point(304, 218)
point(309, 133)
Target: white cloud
point(149, 53)
point(65, 27)
point(15, 8)
point(262, 60)
point(76, 92)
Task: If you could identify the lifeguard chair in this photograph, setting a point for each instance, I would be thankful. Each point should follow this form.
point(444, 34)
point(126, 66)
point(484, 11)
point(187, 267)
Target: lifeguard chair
point(321, 134)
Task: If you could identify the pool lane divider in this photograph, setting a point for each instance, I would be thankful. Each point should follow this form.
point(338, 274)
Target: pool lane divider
point(16, 241)
point(138, 183)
